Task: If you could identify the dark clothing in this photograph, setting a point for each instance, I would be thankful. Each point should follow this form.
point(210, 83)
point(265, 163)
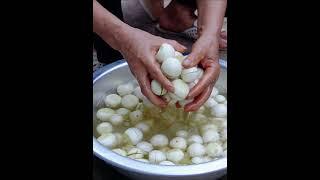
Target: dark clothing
point(105, 53)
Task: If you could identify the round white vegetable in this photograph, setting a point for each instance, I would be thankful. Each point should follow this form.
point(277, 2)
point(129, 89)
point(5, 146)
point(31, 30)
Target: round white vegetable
point(116, 119)
point(210, 136)
point(135, 116)
point(207, 159)
point(219, 110)
point(219, 98)
point(196, 149)
point(135, 153)
point(199, 118)
point(195, 139)
point(168, 163)
point(112, 100)
point(175, 155)
point(182, 133)
point(171, 67)
point(135, 156)
point(145, 146)
point(190, 75)
point(145, 128)
point(124, 112)
point(134, 134)
point(125, 89)
point(120, 151)
point(179, 56)
point(197, 160)
point(140, 106)
point(210, 103)
point(143, 160)
point(104, 128)
point(181, 90)
point(178, 143)
point(104, 114)
point(119, 138)
point(221, 123)
point(159, 140)
point(214, 149)
point(129, 101)
point(214, 92)
point(193, 130)
point(157, 88)
point(165, 51)
point(109, 140)
point(157, 156)
point(207, 127)
point(137, 92)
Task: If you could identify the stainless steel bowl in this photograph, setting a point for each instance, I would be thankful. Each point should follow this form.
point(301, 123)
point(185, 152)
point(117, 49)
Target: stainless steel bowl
point(105, 80)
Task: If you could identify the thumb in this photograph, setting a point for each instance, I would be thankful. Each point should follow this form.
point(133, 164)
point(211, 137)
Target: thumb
point(196, 55)
point(177, 46)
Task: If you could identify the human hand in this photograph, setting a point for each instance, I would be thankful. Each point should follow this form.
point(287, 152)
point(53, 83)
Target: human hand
point(139, 49)
point(206, 52)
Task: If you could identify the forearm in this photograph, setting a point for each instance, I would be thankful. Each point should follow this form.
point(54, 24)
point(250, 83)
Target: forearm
point(210, 16)
point(108, 27)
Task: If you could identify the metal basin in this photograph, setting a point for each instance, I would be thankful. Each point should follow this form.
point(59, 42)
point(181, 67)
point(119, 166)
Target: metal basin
point(105, 81)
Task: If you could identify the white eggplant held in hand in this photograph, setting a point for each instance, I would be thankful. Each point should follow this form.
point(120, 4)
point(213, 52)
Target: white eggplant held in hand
point(165, 51)
point(172, 68)
point(181, 90)
point(157, 88)
point(190, 75)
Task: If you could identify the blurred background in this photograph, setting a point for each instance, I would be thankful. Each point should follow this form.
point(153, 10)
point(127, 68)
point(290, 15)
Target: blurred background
point(135, 16)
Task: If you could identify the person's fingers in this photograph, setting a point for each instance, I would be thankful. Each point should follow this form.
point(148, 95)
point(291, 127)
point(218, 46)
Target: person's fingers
point(145, 86)
point(177, 46)
point(223, 43)
point(210, 76)
point(199, 100)
point(223, 35)
point(197, 54)
point(154, 70)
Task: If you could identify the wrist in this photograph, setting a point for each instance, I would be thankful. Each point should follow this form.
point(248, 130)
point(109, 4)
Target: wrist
point(209, 32)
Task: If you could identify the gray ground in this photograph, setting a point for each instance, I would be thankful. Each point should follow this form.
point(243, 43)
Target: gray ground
point(135, 16)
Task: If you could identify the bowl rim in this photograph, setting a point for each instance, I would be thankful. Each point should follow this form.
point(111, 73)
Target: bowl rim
point(126, 163)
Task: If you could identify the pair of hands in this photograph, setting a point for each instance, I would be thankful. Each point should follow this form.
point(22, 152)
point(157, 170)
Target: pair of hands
point(139, 49)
